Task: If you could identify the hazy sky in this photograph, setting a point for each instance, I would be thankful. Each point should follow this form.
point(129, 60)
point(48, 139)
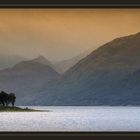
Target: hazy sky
point(63, 33)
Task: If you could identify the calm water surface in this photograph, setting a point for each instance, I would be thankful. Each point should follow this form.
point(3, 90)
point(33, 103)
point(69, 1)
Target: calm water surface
point(72, 119)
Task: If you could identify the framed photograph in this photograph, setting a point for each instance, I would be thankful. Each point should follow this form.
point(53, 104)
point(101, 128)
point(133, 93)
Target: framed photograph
point(69, 68)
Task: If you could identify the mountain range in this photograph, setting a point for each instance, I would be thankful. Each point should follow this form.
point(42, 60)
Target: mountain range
point(62, 66)
point(26, 78)
point(109, 75)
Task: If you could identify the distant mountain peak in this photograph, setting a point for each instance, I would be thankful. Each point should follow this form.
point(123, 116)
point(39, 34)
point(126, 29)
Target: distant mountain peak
point(41, 59)
point(138, 33)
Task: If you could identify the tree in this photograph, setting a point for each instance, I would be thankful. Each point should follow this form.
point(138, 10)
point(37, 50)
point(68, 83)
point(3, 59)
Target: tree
point(6, 99)
point(11, 99)
point(3, 98)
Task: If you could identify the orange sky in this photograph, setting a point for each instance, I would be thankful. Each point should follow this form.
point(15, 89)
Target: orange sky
point(63, 33)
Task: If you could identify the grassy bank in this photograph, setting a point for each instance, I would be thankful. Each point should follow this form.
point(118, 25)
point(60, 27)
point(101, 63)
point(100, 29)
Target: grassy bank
point(16, 109)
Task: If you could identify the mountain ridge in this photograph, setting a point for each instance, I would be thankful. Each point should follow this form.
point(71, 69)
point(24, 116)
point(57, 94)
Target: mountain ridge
point(98, 78)
point(26, 79)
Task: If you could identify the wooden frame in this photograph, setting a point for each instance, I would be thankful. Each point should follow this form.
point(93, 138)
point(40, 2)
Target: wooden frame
point(69, 4)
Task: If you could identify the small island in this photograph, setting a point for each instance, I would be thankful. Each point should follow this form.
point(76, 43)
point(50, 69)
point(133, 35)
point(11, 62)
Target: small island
point(16, 109)
point(9, 99)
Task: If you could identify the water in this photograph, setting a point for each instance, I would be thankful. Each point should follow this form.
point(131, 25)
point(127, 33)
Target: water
point(73, 119)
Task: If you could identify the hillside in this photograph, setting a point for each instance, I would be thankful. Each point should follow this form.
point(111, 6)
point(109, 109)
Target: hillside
point(26, 79)
point(62, 66)
point(99, 78)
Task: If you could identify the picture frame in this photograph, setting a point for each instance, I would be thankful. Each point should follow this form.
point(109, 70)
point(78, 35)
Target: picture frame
point(69, 4)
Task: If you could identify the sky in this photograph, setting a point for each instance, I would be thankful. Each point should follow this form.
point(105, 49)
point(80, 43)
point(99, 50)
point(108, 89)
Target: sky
point(60, 34)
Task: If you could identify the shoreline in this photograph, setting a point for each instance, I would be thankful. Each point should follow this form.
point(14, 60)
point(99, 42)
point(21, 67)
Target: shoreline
point(18, 109)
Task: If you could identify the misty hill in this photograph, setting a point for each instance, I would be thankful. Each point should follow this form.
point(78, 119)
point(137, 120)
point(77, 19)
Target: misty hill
point(26, 78)
point(63, 66)
point(102, 78)
point(42, 60)
point(9, 60)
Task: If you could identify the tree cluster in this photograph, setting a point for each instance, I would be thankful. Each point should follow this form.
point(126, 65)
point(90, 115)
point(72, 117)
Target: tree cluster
point(6, 99)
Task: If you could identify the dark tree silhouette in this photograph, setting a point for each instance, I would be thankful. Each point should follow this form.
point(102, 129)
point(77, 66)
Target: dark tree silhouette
point(3, 98)
point(11, 99)
point(6, 99)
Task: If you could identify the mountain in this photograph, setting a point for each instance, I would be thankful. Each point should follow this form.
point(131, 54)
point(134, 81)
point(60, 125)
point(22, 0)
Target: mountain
point(104, 77)
point(63, 66)
point(131, 87)
point(42, 60)
point(9, 60)
point(26, 78)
